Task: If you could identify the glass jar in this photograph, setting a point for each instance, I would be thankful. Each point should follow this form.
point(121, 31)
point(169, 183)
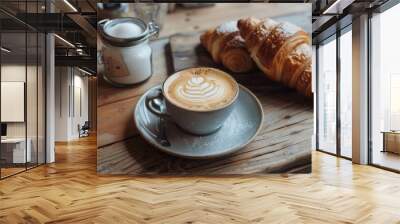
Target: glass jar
point(126, 54)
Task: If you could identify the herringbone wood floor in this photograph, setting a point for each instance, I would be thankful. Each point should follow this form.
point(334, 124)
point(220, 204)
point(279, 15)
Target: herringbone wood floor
point(69, 191)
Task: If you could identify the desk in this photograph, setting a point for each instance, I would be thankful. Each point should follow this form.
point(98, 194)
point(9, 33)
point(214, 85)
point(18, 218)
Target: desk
point(391, 141)
point(13, 150)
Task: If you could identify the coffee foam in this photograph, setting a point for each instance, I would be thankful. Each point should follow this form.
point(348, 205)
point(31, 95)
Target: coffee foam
point(201, 89)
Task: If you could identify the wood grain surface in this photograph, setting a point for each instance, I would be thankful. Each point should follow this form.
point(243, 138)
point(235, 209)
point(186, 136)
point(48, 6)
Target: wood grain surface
point(283, 144)
point(70, 191)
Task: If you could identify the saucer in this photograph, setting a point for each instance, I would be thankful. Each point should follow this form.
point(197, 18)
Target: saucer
point(238, 130)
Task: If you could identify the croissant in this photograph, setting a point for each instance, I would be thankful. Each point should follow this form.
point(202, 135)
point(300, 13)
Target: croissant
point(226, 46)
point(281, 50)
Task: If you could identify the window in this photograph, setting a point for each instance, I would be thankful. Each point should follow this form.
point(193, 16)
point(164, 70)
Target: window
point(334, 106)
point(327, 96)
point(346, 92)
point(385, 89)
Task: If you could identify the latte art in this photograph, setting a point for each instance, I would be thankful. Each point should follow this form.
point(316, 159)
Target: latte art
point(201, 89)
point(198, 89)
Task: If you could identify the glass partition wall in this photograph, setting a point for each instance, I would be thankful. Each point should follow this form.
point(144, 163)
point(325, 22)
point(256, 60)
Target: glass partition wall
point(334, 93)
point(13, 88)
point(22, 76)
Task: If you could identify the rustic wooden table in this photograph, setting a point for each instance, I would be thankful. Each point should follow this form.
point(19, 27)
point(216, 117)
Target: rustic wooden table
point(283, 144)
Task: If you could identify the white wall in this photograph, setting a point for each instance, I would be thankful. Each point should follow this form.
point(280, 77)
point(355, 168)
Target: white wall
point(12, 101)
point(14, 72)
point(69, 82)
point(33, 126)
point(62, 81)
point(81, 82)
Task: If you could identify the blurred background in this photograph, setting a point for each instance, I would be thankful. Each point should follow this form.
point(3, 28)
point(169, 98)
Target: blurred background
point(188, 17)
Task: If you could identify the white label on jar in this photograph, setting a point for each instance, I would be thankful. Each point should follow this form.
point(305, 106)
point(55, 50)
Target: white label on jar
point(114, 64)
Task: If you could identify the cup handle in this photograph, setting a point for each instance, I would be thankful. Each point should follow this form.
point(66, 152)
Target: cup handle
point(155, 103)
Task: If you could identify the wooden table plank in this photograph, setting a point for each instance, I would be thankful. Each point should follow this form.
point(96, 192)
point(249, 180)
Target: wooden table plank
point(283, 143)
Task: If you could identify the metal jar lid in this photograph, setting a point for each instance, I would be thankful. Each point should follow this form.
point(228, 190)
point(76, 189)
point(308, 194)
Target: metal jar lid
point(148, 30)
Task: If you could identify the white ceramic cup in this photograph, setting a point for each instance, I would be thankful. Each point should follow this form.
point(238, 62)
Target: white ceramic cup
point(192, 121)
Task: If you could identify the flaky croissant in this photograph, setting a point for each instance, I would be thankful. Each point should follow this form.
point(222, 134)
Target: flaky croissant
point(226, 46)
point(281, 50)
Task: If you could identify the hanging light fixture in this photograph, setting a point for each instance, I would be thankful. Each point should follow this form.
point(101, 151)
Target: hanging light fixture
point(337, 7)
point(70, 5)
point(84, 71)
point(5, 49)
point(64, 40)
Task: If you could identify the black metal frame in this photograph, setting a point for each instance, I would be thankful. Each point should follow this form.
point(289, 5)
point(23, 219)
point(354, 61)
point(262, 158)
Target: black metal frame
point(338, 98)
point(26, 91)
point(369, 90)
point(37, 91)
point(44, 71)
point(316, 96)
point(0, 94)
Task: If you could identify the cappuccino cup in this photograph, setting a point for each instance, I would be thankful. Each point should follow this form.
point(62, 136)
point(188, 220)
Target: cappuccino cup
point(198, 100)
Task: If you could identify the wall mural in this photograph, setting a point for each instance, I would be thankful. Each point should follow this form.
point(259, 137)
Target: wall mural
point(230, 95)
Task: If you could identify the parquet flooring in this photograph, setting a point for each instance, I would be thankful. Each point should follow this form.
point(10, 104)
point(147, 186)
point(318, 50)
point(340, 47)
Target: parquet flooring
point(11, 170)
point(70, 191)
